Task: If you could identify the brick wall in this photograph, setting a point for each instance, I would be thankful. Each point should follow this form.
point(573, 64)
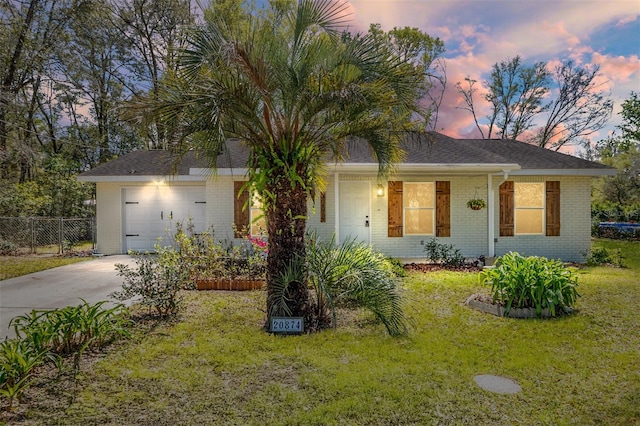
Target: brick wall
point(468, 227)
point(575, 223)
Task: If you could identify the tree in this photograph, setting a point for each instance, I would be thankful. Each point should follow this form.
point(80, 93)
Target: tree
point(516, 94)
point(31, 32)
point(296, 91)
point(97, 68)
point(621, 193)
point(631, 119)
point(579, 109)
point(152, 29)
point(425, 52)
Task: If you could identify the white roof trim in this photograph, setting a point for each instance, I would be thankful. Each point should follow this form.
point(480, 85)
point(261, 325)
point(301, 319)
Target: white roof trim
point(428, 168)
point(564, 172)
point(144, 178)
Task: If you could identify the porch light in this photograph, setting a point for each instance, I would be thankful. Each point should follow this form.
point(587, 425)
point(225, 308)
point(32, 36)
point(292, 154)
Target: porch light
point(380, 191)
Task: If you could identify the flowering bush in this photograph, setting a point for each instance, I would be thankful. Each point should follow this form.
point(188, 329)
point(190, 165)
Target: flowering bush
point(208, 258)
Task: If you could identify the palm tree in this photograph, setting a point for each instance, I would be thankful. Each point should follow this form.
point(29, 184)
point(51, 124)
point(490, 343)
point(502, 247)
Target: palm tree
point(295, 87)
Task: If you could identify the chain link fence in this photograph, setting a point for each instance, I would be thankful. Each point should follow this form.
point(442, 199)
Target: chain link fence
point(47, 235)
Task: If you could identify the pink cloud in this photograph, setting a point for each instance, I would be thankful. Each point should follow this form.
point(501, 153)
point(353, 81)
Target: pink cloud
point(619, 68)
point(626, 20)
point(480, 33)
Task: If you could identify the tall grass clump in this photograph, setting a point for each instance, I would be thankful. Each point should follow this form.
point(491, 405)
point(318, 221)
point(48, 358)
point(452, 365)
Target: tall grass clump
point(72, 329)
point(18, 360)
point(49, 335)
point(531, 282)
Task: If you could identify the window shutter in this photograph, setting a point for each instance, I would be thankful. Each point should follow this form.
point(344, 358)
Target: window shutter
point(443, 209)
point(553, 208)
point(240, 216)
point(323, 207)
point(506, 209)
point(394, 192)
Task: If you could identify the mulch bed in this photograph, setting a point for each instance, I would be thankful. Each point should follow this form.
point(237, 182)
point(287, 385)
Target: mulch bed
point(434, 267)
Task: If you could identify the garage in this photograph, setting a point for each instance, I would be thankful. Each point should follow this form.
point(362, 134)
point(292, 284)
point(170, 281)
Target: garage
point(150, 213)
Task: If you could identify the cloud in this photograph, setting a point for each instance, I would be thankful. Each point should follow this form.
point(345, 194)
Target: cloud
point(620, 69)
point(479, 33)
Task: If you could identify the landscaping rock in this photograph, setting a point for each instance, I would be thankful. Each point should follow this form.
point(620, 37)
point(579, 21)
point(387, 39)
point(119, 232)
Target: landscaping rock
point(484, 303)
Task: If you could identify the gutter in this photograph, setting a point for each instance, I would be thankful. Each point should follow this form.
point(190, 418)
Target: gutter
point(143, 178)
point(433, 168)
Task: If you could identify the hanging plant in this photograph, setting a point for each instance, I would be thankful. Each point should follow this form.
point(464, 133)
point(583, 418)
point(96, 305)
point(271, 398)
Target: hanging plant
point(476, 203)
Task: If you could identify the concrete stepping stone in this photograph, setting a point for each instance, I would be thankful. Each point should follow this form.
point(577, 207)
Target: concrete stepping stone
point(497, 384)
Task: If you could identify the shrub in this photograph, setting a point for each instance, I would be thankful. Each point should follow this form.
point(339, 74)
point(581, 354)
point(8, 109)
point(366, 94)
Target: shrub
point(353, 274)
point(7, 248)
point(445, 254)
point(206, 258)
point(531, 282)
point(601, 256)
point(157, 280)
point(47, 335)
point(397, 267)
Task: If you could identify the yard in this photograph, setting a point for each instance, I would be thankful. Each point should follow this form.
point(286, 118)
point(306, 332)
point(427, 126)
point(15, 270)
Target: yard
point(216, 366)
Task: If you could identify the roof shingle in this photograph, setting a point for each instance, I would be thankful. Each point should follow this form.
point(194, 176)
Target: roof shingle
point(427, 148)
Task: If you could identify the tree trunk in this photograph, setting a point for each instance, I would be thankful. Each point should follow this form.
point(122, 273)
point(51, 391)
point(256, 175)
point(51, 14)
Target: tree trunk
point(286, 227)
point(8, 89)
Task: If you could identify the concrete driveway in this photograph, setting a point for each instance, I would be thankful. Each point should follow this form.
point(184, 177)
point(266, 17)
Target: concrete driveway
point(92, 280)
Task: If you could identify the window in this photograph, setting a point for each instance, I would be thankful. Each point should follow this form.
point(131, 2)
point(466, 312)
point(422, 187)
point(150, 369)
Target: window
point(257, 220)
point(529, 208)
point(419, 208)
point(247, 217)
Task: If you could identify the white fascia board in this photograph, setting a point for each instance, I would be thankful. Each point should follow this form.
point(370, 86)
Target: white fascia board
point(130, 178)
point(207, 172)
point(429, 168)
point(564, 172)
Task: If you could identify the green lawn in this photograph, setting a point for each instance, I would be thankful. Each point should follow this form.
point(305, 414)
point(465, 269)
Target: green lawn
point(15, 266)
point(216, 366)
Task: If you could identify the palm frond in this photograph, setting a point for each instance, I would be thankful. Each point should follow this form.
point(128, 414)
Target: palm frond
point(352, 273)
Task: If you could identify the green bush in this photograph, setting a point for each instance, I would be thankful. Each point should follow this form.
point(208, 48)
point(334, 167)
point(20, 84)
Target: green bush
point(156, 279)
point(7, 248)
point(397, 266)
point(353, 274)
point(445, 254)
point(531, 282)
point(601, 256)
point(206, 258)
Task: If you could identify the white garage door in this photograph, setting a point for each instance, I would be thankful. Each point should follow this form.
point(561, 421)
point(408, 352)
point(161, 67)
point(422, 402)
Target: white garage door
point(151, 213)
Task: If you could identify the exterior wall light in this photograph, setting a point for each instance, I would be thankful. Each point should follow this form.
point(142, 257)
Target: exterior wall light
point(380, 191)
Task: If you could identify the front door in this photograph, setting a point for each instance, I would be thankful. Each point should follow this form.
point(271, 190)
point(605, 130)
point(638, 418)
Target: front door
point(355, 215)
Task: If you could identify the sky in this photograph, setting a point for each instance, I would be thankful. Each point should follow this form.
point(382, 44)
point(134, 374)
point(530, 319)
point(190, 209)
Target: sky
point(479, 33)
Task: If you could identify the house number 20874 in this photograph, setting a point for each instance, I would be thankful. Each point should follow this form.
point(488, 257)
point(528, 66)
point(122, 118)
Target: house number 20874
point(287, 325)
